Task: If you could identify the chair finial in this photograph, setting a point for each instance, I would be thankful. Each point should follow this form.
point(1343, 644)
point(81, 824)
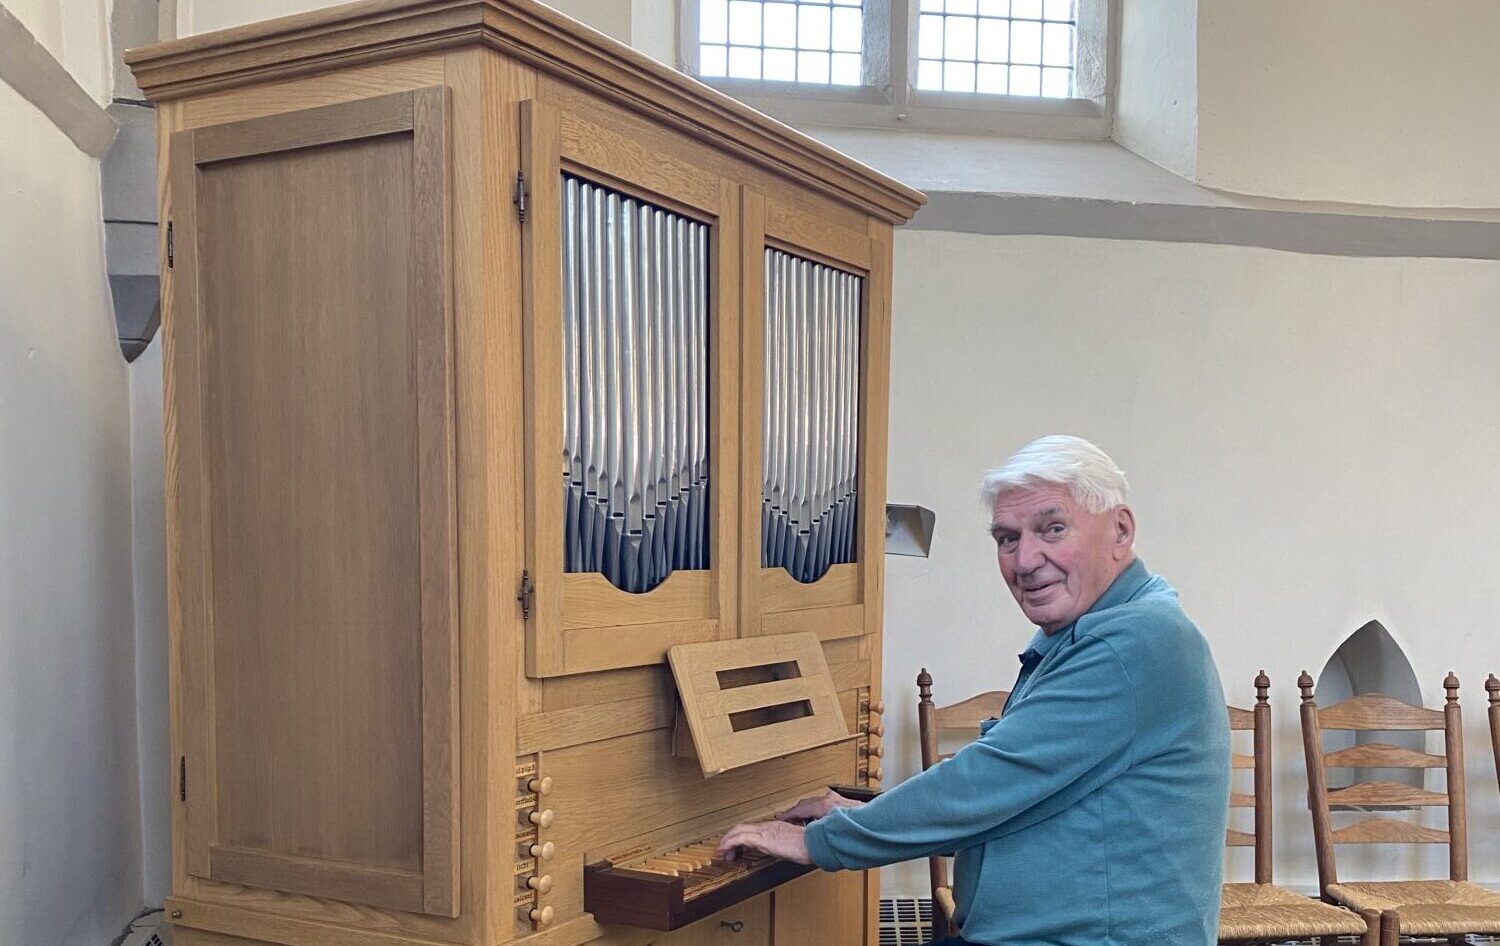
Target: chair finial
point(1492, 686)
point(924, 686)
point(1450, 683)
point(1305, 684)
point(1262, 687)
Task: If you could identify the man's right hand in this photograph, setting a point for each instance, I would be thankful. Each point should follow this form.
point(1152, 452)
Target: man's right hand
point(811, 809)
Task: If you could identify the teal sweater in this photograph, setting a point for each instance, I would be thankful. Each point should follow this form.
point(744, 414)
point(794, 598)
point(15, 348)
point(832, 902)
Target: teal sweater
point(1093, 812)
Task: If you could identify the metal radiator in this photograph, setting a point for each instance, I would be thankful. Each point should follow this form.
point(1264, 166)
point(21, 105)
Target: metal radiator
point(635, 387)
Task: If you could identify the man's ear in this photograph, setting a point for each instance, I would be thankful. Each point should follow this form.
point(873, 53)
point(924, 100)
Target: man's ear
point(1124, 534)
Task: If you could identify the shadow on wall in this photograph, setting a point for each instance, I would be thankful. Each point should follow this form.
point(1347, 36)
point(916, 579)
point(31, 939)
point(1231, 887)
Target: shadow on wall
point(1370, 661)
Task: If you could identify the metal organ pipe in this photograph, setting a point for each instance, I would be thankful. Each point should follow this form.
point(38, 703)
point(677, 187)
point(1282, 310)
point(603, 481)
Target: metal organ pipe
point(809, 416)
point(635, 387)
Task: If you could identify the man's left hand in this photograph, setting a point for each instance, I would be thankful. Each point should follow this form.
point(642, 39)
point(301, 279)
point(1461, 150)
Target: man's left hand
point(776, 838)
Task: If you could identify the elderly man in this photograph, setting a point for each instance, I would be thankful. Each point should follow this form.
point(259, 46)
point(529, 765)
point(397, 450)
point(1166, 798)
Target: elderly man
point(1093, 811)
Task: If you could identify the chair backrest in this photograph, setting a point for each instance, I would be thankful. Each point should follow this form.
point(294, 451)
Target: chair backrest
point(1492, 686)
point(932, 720)
point(1257, 722)
point(965, 715)
point(1376, 711)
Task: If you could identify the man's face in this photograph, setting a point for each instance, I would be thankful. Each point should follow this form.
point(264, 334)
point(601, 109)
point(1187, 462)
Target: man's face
point(1057, 557)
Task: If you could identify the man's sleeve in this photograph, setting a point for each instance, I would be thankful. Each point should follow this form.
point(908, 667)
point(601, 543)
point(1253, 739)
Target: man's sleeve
point(1070, 735)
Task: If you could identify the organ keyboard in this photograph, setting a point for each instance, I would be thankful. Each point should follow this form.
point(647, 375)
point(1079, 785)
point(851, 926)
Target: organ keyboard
point(664, 890)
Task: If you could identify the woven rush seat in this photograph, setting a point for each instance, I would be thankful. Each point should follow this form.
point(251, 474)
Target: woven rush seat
point(1426, 907)
point(1266, 911)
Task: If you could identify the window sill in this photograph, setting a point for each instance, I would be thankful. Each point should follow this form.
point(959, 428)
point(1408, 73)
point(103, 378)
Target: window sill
point(954, 112)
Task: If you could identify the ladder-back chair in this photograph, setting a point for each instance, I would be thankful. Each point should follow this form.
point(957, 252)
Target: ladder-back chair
point(1261, 910)
point(1452, 907)
point(1492, 686)
point(931, 721)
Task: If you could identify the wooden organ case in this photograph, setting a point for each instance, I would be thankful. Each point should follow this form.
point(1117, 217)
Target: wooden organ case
point(501, 363)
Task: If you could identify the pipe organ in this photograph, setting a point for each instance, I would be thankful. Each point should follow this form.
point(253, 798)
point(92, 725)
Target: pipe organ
point(526, 429)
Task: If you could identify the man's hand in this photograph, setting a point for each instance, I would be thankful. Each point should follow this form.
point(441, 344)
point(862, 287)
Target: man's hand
point(811, 809)
point(776, 838)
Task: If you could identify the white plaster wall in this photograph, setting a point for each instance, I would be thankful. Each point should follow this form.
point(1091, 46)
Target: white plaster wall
point(76, 33)
point(1157, 111)
point(70, 844)
point(149, 559)
point(1306, 438)
point(1365, 101)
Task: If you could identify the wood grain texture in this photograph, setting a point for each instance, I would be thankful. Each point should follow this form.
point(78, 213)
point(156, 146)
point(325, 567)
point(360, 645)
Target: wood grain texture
point(874, 423)
point(1385, 793)
point(541, 292)
point(827, 623)
point(1378, 711)
point(968, 714)
point(823, 907)
point(1388, 831)
point(582, 724)
point(1241, 719)
point(779, 591)
point(282, 420)
point(798, 230)
point(589, 600)
point(710, 706)
point(1379, 755)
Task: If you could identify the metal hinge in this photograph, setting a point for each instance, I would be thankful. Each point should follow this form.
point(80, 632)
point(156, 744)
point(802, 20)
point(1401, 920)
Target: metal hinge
point(518, 196)
point(169, 244)
point(182, 778)
point(525, 595)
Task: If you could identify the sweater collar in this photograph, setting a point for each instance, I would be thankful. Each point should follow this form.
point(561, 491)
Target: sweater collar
point(1125, 587)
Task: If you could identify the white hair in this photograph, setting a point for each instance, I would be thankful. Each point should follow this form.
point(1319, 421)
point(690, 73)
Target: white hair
point(1088, 472)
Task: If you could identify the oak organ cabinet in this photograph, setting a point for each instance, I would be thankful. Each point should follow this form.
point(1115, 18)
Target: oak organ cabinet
point(502, 362)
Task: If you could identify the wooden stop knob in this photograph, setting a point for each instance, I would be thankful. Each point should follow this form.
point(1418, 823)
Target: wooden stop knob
point(877, 730)
point(542, 819)
point(543, 851)
point(542, 786)
point(542, 916)
point(878, 707)
point(542, 884)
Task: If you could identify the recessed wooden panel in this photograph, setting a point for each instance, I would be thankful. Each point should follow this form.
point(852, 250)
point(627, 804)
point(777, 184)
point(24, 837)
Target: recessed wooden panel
point(311, 424)
point(824, 907)
point(327, 644)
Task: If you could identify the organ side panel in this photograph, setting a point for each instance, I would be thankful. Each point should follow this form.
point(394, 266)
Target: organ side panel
point(310, 412)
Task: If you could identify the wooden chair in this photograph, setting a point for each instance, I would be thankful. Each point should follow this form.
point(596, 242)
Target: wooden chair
point(931, 721)
point(1492, 686)
point(1452, 907)
point(1263, 911)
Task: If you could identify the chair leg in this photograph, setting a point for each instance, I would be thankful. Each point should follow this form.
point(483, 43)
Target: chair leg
point(1371, 935)
point(1458, 939)
point(1390, 928)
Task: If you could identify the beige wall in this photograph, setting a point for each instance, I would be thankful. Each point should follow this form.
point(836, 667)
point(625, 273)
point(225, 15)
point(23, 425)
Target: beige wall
point(1308, 439)
point(1157, 111)
point(70, 845)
